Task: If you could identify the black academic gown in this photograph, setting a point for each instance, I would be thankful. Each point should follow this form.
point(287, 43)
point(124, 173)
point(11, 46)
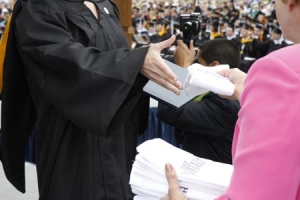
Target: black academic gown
point(84, 86)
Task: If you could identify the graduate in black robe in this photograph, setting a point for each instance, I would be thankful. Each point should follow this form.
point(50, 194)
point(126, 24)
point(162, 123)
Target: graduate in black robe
point(74, 79)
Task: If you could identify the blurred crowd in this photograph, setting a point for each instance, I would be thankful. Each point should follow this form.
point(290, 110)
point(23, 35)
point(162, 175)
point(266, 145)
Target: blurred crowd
point(250, 24)
point(6, 7)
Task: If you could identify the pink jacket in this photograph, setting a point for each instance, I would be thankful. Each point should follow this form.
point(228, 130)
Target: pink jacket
point(266, 146)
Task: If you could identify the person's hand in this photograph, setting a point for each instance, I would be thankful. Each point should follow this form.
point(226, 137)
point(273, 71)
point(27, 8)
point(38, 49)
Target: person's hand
point(237, 77)
point(155, 69)
point(174, 192)
point(184, 56)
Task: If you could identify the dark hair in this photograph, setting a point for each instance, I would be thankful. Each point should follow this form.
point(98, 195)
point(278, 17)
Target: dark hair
point(222, 50)
point(198, 9)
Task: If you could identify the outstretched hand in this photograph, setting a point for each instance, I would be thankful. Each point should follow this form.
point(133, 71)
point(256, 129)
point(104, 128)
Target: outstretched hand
point(174, 192)
point(237, 77)
point(157, 70)
point(184, 56)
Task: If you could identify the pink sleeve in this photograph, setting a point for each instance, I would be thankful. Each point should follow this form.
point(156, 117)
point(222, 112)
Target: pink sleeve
point(266, 150)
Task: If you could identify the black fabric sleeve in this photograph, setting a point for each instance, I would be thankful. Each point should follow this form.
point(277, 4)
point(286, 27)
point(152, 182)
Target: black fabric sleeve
point(205, 117)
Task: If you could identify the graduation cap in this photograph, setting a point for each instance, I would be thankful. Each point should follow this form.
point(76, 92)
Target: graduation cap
point(277, 30)
point(212, 19)
point(249, 19)
point(139, 20)
point(259, 26)
point(136, 8)
point(160, 11)
point(225, 19)
point(217, 13)
point(160, 21)
point(231, 25)
point(215, 23)
point(225, 7)
point(242, 22)
point(260, 13)
point(152, 23)
point(246, 26)
point(209, 9)
point(198, 9)
point(165, 21)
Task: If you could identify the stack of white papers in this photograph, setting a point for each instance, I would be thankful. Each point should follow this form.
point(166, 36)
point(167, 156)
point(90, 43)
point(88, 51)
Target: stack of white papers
point(201, 79)
point(199, 178)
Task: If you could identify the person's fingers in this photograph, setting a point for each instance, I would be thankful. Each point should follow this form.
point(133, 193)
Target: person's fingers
point(166, 43)
point(233, 75)
point(167, 81)
point(165, 198)
point(174, 192)
point(171, 177)
point(180, 43)
point(192, 45)
point(224, 72)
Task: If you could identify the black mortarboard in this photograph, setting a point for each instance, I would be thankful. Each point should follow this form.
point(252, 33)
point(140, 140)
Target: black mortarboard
point(160, 21)
point(231, 25)
point(198, 9)
point(259, 26)
point(217, 13)
point(249, 18)
point(212, 19)
point(277, 30)
point(260, 13)
point(225, 19)
point(215, 23)
point(151, 24)
point(246, 26)
point(242, 22)
point(136, 8)
point(139, 20)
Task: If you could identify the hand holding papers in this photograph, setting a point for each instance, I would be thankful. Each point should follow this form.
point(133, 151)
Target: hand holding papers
point(201, 79)
point(199, 178)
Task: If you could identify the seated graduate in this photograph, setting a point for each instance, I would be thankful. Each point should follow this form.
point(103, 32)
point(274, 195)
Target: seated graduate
point(276, 42)
point(231, 34)
point(205, 125)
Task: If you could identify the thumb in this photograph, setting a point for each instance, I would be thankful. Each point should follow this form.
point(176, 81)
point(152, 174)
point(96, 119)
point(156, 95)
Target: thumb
point(171, 177)
point(224, 72)
point(166, 43)
point(192, 45)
